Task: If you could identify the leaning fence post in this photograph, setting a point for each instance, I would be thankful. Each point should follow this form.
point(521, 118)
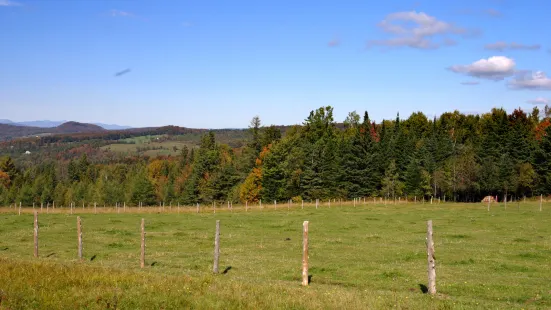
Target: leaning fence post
point(79, 234)
point(142, 256)
point(216, 247)
point(305, 253)
point(35, 234)
point(431, 260)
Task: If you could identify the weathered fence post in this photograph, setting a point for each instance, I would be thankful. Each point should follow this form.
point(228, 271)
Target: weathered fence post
point(305, 253)
point(505, 201)
point(302, 202)
point(317, 200)
point(95, 209)
point(275, 204)
point(431, 260)
point(197, 207)
point(35, 234)
point(246, 206)
point(142, 256)
point(79, 235)
point(20, 208)
point(216, 247)
point(541, 201)
point(42, 206)
point(489, 201)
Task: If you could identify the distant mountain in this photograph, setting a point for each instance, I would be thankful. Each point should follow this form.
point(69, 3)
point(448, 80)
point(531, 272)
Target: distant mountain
point(12, 131)
point(112, 126)
point(75, 127)
point(41, 124)
point(52, 124)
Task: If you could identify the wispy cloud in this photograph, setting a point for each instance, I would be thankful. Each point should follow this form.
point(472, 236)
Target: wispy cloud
point(487, 12)
point(422, 34)
point(336, 41)
point(9, 3)
point(539, 100)
point(492, 12)
point(470, 83)
point(537, 80)
point(494, 68)
point(118, 13)
point(187, 24)
point(502, 46)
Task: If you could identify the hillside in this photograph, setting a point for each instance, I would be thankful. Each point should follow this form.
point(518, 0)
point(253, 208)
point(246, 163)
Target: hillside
point(76, 127)
point(9, 131)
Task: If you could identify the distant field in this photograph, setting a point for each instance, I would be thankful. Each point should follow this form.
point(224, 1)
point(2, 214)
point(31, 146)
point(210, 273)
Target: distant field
point(364, 257)
point(149, 145)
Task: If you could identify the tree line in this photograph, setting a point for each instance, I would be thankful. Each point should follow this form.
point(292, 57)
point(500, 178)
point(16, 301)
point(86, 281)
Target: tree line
point(459, 156)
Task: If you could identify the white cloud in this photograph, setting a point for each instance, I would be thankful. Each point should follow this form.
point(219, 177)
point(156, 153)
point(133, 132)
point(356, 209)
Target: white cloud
point(470, 83)
point(494, 68)
point(416, 30)
point(9, 3)
point(539, 100)
point(501, 46)
point(537, 80)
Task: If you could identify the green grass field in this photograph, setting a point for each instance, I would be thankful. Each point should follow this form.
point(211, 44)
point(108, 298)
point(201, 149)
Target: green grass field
point(363, 257)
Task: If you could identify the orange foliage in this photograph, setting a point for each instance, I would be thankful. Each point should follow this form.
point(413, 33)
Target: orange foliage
point(540, 129)
point(4, 179)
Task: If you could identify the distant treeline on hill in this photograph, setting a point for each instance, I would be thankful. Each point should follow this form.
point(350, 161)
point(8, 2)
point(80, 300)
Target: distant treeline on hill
point(463, 157)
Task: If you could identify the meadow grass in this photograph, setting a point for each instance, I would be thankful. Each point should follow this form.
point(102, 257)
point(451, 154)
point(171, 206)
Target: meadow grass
point(365, 257)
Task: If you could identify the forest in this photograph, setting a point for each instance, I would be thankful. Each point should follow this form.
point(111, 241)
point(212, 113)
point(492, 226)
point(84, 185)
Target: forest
point(461, 157)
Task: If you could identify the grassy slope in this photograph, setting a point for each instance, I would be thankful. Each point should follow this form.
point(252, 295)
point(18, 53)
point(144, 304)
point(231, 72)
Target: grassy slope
point(365, 257)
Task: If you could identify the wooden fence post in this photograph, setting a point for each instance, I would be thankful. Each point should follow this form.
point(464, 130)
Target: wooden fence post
point(20, 208)
point(541, 201)
point(79, 235)
point(35, 234)
point(95, 209)
point(302, 200)
point(246, 206)
point(142, 256)
point(275, 204)
point(317, 203)
point(489, 201)
point(216, 247)
point(305, 253)
point(197, 207)
point(431, 260)
point(505, 201)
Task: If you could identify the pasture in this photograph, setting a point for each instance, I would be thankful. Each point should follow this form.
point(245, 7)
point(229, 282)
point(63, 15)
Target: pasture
point(370, 256)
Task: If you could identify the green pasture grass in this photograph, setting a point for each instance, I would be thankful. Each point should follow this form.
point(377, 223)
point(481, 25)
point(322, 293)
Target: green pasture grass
point(133, 148)
point(370, 256)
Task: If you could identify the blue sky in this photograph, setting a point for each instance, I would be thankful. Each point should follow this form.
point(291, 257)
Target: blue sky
point(216, 64)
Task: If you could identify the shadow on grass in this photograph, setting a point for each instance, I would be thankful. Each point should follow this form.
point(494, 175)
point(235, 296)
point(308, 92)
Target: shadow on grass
point(226, 270)
point(93, 257)
point(424, 289)
point(153, 264)
point(51, 254)
point(310, 278)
